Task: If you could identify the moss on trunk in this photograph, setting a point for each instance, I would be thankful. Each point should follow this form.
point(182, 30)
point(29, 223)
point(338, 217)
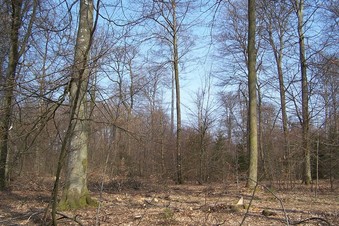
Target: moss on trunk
point(73, 199)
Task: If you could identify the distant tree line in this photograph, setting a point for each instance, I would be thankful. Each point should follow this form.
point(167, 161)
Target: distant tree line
point(93, 88)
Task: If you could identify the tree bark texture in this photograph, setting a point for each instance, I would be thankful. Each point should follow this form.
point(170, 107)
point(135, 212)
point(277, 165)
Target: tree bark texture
point(304, 90)
point(75, 194)
point(252, 81)
point(5, 120)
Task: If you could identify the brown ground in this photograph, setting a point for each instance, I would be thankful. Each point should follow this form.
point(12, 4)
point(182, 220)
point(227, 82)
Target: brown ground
point(132, 202)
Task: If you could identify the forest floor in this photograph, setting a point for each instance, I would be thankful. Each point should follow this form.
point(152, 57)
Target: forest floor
point(136, 202)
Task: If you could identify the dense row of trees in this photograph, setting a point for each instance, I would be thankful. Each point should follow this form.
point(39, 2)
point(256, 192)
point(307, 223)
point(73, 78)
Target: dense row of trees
point(93, 88)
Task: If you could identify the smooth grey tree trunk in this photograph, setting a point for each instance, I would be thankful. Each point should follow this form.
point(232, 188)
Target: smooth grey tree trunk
point(304, 90)
point(252, 81)
point(75, 194)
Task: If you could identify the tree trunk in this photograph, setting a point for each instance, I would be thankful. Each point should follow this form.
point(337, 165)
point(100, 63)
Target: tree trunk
point(304, 89)
point(75, 194)
point(252, 81)
point(5, 120)
point(263, 152)
point(172, 102)
point(177, 89)
point(278, 57)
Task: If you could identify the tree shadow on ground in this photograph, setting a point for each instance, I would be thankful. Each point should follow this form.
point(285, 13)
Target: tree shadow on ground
point(26, 207)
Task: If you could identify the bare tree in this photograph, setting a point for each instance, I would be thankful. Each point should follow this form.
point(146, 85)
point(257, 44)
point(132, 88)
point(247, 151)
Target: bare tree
point(235, 123)
point(252, 82)
point(276, 20)
point(203, 125)
point(299, 9)
point(165, 15)
point(327, 68)
point(76, 194)
point(18, 13)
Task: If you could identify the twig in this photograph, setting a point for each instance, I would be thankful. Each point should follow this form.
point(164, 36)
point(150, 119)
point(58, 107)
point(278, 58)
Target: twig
point(249, 205)
point(219, 224)
point(63, 216)
point(101, 189)
point(29, 215)
point(33, 214)
point(281, 203)
point(145, 209)
point(310, 219)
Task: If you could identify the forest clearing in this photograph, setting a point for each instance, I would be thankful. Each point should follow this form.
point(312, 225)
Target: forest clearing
point(169, 112)
point(134, 202)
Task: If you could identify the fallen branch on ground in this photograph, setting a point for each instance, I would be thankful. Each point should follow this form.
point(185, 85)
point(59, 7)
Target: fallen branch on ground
point(311, 219)
point(64, 216)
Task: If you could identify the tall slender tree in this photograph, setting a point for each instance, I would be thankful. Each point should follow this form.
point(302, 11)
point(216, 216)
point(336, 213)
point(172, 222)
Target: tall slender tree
point(177, 89)
point(166, 16)
point(299, 8)
point(75, 193)
point(18, 12)
point(252, 81)
point(276, 19)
